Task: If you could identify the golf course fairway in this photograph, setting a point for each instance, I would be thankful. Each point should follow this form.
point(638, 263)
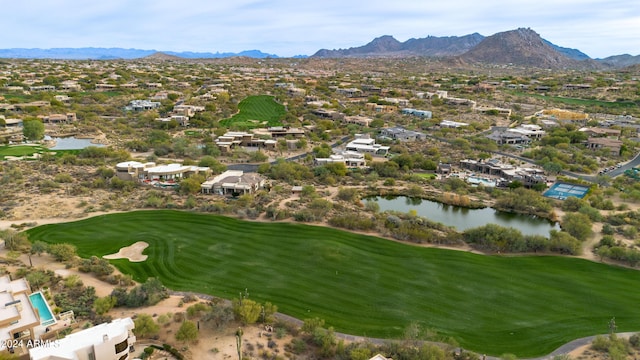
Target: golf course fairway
point(364, 285)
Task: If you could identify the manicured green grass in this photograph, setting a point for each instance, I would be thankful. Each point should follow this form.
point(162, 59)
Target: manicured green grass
point(256, 110)
point(369, 286)
point(19, 150)
point(27, 150)
point(580, 102)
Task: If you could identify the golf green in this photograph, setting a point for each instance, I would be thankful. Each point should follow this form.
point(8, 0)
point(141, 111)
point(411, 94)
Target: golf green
point(364, 285)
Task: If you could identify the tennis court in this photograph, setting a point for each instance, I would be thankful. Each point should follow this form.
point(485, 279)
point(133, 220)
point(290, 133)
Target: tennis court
point(562, 190)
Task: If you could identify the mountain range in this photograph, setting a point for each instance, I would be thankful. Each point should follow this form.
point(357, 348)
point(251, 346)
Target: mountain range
point(519, 47)
point(91, 53)
point(522, 47)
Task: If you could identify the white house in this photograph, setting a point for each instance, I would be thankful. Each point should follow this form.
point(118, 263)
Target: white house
point(366, 145)
point(108, 341)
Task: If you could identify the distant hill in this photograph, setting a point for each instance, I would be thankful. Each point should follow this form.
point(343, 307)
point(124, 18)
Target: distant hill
point(520, 47)
point(388, 46)
point(115, 53)
point(619, 61)
point(572, 53)
point(162, 56)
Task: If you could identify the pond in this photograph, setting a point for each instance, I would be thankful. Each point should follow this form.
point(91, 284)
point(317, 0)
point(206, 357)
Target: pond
point(72, 143)
point(464, 218)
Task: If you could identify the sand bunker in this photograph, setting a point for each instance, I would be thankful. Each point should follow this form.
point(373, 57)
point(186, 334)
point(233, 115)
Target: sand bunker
point(132, 253)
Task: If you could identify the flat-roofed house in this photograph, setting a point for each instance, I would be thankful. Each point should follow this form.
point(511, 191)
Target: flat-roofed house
point(148, 172)
point(18, 317)
point(233, 182)
point(350, 159)
point(107, 341)
point(401, 134)
point(366, 145)
point(358, 120)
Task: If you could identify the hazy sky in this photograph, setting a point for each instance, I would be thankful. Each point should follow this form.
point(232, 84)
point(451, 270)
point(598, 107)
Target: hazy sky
point(599, 28)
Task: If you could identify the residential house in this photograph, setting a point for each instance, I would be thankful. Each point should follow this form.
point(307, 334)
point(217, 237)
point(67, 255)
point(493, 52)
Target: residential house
point(284, 131)
point(532, 131)
point(452, 124)
point(142, 105)
point(351, 159)
point(180, 119)
point(444, 168)
point(233, 182)
point(69, 85)
point(58, 118)
point(401, 134)
point(328, 114)
point(19, 318)
point(601, 132)
point(233, 139)
point(365, 145)
point(187, 110)
point(522, 134)
point(494, 110)
point(358, 120)
point(385, 109)
point(349, 92)
point(63, 98)
point(105, 87)
point(506, 172)
point(107, 341)
point(419, 113)
point(596, 143)
point(42, 88)
point(151, 173)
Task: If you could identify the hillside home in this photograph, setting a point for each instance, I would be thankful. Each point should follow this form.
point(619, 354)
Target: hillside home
point(233, 182)
point(358, 120)
point(42, 88)
point(328, 114)
point(105, 87)
point(383, 109)
point(232, 139)
point(150, 172)
point(187, 110)
point(180, 119)
point(69, 85)
point(419, 113)
point(58, 118)
point(452, 124)
point(63, 98)
point(506, 172)
point(142, 105)
point(600, 132)
point(349, 92)
point(350, 159)
point(401, 134)
point(366, 145)
point(107, 341)
point(596, 143)
point(18, 316)
point(284, 131)
point(494, 110)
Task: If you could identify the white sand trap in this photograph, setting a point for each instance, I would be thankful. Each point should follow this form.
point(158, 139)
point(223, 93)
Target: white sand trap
point(132, 253)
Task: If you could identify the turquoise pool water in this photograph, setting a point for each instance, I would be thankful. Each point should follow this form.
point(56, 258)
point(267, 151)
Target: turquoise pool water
point(38, 302)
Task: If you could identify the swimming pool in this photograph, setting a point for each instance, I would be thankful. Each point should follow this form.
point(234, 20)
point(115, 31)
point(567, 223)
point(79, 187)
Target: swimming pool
point(38, 302)
point(475, 180)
